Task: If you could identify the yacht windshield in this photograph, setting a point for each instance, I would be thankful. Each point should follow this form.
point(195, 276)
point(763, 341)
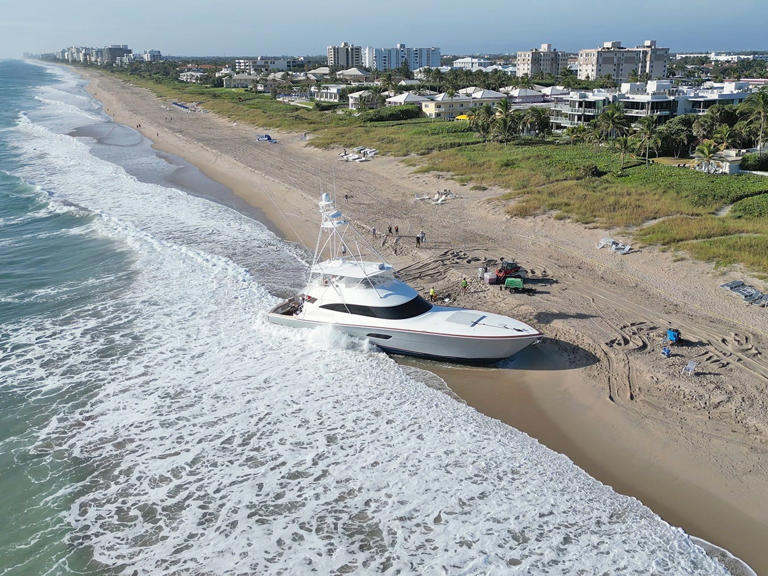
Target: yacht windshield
point(415, 307)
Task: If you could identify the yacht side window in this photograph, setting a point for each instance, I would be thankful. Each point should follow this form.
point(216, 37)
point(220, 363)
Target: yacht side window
point(414, 307)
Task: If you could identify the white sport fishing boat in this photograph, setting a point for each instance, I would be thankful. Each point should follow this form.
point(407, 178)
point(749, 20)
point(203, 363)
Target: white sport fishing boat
point(367, 300)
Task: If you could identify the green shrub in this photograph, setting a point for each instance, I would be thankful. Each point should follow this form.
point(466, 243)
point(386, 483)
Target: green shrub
point(590, 171)
point(754, 207)
point(756, 162)
point(391, 113)
point(323, 106)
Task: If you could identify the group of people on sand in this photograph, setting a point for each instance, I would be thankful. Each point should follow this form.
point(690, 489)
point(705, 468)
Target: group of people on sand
point(421, 237)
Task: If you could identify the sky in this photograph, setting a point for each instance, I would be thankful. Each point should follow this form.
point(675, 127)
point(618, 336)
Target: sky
point(306, 27)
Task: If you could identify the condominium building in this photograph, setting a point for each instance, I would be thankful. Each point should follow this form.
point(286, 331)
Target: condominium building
point(345, 55)
point(152, 55)
point(656, 98)
point(268, 63)
point(699, 100)
point(544, 60)
point(471, 63)
point(392, 58)
point(619, 63)
point(112, 53)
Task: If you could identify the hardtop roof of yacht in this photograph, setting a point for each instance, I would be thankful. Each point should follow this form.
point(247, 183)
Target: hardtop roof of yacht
point(351, 269)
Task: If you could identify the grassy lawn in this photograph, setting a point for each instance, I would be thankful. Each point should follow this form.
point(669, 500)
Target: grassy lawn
point(574, 181)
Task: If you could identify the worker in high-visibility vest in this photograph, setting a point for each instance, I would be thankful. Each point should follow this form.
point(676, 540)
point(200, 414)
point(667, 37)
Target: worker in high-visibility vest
point(432, 295)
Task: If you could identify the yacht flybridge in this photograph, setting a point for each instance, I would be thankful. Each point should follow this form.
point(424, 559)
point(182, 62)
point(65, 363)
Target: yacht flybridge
point(367, 300)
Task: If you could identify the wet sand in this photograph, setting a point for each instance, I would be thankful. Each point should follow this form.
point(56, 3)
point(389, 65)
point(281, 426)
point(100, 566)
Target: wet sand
point(693, 450)
point(542, 401)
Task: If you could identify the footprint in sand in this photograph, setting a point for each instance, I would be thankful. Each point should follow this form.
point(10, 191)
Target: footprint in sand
point(741, 344)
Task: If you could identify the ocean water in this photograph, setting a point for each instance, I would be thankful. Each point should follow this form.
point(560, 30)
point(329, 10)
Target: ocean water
point(153, 422)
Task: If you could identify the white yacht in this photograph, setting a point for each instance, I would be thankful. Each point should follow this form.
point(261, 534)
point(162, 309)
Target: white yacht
point(367, 300)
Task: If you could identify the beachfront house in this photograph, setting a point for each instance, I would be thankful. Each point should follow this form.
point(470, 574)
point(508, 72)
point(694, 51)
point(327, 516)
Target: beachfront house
point(328, 93)
point(192, 76)
point(241, 81)
point(523, 95)
point(353, 75)
point(448, 107)
point(363, 100)
point(320, 72)
point(404, 99)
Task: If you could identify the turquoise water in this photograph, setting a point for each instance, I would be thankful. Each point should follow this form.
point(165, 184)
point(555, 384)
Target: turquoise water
point(153, 422)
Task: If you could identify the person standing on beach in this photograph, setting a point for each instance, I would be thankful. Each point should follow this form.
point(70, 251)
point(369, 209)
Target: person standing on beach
point(432, 295)
point(389, 229)
point(373, 231)
point(418, 240)
point(397, 230)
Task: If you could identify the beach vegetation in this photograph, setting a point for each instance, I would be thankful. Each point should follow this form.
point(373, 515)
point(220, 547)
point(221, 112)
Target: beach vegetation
point(755, 162)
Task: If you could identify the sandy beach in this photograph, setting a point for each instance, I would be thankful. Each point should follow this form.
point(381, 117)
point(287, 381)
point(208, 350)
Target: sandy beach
point(693, 448)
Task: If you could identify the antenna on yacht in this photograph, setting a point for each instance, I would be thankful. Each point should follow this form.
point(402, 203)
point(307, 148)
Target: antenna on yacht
point(337, 228)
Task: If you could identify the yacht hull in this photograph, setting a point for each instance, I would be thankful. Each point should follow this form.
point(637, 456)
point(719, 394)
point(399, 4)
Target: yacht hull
point(462, 348)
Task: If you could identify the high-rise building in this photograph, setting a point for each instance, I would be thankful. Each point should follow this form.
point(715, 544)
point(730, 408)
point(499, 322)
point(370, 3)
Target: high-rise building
point(619, 63)
point(544, 60)
point(345, 55)
point(391, 58)
point(152, 55)
point(115, 51)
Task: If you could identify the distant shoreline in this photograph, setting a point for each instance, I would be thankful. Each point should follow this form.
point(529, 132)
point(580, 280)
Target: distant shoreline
point(701, 482)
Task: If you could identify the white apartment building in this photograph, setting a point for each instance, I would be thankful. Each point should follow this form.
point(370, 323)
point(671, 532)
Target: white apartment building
point(699, 100)
point(267, 63)
point(345, 55)
point(392, 58)
point(544, 60)
point(471, 63)
point(655, 98)
point(328, 92)
point(152, 55)
point(619, 62)
point(192, 76)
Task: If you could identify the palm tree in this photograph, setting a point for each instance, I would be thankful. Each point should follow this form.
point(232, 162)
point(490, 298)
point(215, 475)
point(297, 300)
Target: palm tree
point(506, 121)
point(481, 120)
point(706, 150)
point(614, 121)
point(724, 136)
point(502, 108)
point(576, 134)
point(757, 109)
point(536, 120)
point(485, 118)
point(505, 128)
point(647, 136)
point(593, 134)
point(623, 145)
